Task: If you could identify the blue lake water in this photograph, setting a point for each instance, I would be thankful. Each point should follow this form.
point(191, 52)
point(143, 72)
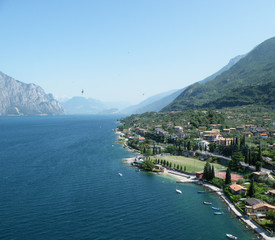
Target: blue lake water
point(59, 180)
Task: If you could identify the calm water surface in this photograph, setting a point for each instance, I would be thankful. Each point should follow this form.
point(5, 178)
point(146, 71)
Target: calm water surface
point(59, 180)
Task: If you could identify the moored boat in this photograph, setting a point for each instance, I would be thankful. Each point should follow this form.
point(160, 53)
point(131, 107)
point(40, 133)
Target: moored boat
point(215, 208)
point(218, 213)
point(201, 192)
point(178, 191)
point(207, 203)
point(230, 236)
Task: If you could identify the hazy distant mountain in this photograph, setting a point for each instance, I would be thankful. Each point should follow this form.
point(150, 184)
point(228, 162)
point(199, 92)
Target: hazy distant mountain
point(18, 98)
point(242, 84)
point(154, 103)
point(159, 101)
point(82, 105)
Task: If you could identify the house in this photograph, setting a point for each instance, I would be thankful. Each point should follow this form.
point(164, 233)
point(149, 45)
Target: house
point(271, 193)
point(234, 177)
point(142, 131)
point(141, 139)
point(263, 135)
point(211, 136)
point(158, 166)
point(203, 144)
point(237, 189)
point(240, 128)
point(256, 175)
point(224, 141)
point(199, 175)
point(232, 129)
point(247, 134)
point(169, 125)
point(258, 210)
point(202, 128)
point(216, 126)
point(253, 201)
point(178, 129)
point(226, 130)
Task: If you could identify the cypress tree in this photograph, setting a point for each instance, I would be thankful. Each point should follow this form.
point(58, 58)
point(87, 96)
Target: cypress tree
point(260, 158)
point(251, 191)
point(228, 176)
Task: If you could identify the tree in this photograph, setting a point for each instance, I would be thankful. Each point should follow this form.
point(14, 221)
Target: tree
point(259, 157)
point(271, 216)
point(258, 166)
point(228, 176)
point(207, 172)
point(251, 191)
point(189, 146)
point(148, 165)
point(237, 157)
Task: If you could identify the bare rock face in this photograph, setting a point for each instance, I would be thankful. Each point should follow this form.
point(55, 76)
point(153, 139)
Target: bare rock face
point(18, 98)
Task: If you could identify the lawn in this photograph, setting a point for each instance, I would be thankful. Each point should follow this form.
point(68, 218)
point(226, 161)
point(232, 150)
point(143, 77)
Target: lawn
point(192, 165)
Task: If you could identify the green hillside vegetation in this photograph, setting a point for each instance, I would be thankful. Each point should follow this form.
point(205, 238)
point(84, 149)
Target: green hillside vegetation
point(259, 94)
point(252, 74)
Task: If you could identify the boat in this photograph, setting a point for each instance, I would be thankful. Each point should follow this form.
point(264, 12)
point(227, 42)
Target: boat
point(231, 236)
point(215, 208)
point(218, 213)
point(207, 203)
point(201, 192)
point(120, 174)
point(178, 191)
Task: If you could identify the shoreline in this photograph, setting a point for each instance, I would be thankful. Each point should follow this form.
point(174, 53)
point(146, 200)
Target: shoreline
point(183, 178)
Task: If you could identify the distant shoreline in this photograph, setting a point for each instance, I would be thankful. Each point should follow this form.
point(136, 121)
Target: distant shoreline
point(181, 178)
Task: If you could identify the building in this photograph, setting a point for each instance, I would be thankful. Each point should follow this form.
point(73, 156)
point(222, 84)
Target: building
point(258, 210)
point(203, 144)
point(199, 175)
point(263, 135)
point(256, 175)
point(226, 130)
point(247, 134)
point(237, 189)
point(271, 193)
point(141, 139)
point(224, 141)
point(178, 129)
point(240, 128)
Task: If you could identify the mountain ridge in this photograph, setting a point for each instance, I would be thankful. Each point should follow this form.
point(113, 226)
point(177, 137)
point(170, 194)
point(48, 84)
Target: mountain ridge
point(18, 98)
point(255, 68)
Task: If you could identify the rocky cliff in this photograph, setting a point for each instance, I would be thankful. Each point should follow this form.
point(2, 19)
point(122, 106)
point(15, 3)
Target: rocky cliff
point(18, 98)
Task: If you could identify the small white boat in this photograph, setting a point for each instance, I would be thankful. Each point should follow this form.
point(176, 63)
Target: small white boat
point(178, 191)
point(231, 236)
point(120, 174)
point(215, 208)
point(207, 203)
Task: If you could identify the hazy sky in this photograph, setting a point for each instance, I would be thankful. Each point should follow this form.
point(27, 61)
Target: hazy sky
point(118, 50)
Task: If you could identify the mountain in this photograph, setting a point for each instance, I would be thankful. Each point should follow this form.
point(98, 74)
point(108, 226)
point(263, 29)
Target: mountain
point(154, 103)
point(253, 72)
point(82, 105)
point(18, 98)
point(232, 62)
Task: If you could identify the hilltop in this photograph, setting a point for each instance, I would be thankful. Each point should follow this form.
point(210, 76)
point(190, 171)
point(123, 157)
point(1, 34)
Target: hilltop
point(236, 86)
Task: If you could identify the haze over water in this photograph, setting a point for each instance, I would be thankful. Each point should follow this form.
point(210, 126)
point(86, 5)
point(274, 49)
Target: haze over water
point(59, 180)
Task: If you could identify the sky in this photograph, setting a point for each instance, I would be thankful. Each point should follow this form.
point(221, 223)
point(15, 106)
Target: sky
point(126, 50)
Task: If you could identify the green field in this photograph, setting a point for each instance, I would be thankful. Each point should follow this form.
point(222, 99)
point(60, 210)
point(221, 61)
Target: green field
point(192, 165)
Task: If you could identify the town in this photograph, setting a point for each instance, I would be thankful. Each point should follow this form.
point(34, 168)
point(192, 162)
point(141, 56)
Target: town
point(232, 149)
